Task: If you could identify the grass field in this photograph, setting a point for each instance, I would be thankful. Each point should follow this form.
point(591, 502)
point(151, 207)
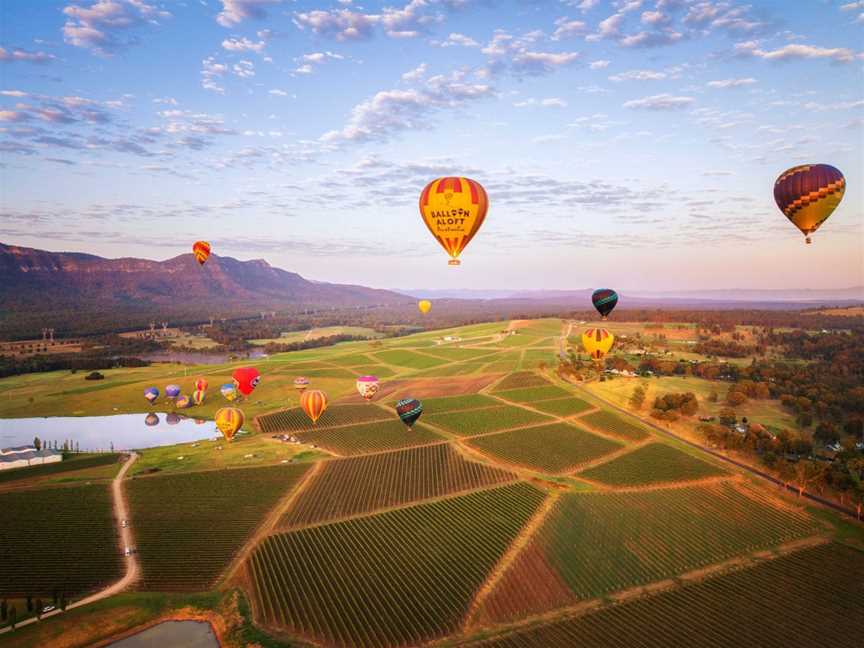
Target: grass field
point(650, 464)
point(409, 359)
point(809, 598)
point(189, 526)
point(615, 425)
point(360, 485)
point(370, 437)
point(488, 419)
point(551, 448)
point(398, 578)
point(57, 539)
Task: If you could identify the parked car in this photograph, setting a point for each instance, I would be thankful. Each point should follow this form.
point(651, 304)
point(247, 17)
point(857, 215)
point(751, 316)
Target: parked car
point(48, 608)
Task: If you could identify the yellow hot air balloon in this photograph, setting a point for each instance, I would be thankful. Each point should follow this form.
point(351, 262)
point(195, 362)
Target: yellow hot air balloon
point(313, 402)
point(229, 420)
point(808, 194)
point(453, 210)
point(597, 342)
point(424, 305)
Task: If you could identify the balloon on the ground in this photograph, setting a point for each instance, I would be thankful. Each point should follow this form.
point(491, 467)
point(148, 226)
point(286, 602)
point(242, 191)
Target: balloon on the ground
point(453, 210)
point(183, 401)
point(808, 194)
point(172, 391)
point(424, 305)
point(409, 410)
point(229, 420)
point(151, 394)
point(246, 379)
point(201, 250)
point(301, 383)
point(313, 402)
point(151, 419)
point(604, 300)
point(172, 418)
point(229, 391)
point(368, 386)
point(201, 384)
point(198, 396)
point(597, 342)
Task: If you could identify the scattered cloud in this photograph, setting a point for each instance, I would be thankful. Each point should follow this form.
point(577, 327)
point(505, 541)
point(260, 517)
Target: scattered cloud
point(211, 73)
point(236, 11)
point(18, 55)
point(599, 64)
point(417, 73)
point(731, 83)
point(566, 28)
point(550, 102)
point(244, 45)
point(519, 56)
point(409, 21)
point(456, 39)
point(638, 75)
point(795, 51)
point(102, 26)
point(660, 102)
point(277, 92)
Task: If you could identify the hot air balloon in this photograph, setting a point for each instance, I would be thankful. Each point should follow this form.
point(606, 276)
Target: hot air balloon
point(604, 300)
point(201, 384)
point(172, 391)
point(409, 410)
point(201, 250)
point(198, 396)
point(229, 391)
point(597, 342)
point(151, 394)
point(229, 420)
point(246, 379)
point(183, 401)
point(368, 386)
point(301, 383)
point(424, 305)
point(313, 402)
point(808, 194)
point(200, 421)
point(172, 418)
point(151, 419)
point(453, 210)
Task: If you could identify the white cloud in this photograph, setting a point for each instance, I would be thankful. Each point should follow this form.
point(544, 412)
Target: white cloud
point(243, 45)
point(638, 75)
point(415, 74)
point(566, 28)
point(97, 27)
point(795, 51)
point(659, 102)
point(308, 61)
point(655, 18)
point(599, 65)
point(277, 92)
point(839, 105)
point(17, 54)
point(236, 11)
point(211, 71)
point(550, 102)
point(651, 39)
point(244, 69)
point(519, 56)
point(456, 39)
point(344, 24)
point(731, 83)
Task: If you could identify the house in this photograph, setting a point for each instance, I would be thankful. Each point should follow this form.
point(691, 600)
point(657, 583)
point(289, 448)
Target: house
point(21, 456)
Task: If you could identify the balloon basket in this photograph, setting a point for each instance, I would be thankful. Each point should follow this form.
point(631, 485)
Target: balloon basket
point(807, 240)
point(454, 262)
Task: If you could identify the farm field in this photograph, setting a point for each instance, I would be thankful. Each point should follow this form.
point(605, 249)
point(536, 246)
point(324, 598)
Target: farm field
point(520, 380)
point(487, 419)
point(651, 464)
point(553, 448)
point(347, 487)
point(189, 526)
point(73, 464)
point(409, 359)
point(614, 425)
point(808, 598)
point(59, 538)
point(448, 404)
point(295, 420)
point(400, 577)
point(370, 437)
point(530, 395)
point(565, 407)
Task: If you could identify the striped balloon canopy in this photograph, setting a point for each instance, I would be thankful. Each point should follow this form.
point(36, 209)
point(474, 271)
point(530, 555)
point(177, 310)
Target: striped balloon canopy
point(597, 342)
point(453, 210)
point(201, 250)
point(604, 300)
point(409, 410)
point(202, 384)
point(229, 420)
point(808, 194)
point(313, 402)
point(198, 396)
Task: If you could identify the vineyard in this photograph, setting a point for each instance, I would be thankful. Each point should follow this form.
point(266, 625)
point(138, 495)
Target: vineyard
point(613, 425)
point(397, 578)
point(189, 526)
point(57, 539)
point(533, 394)
point(520, 380)
point(562, 406)
point(346, 487)
point(598, 543)
point(409, 359)
point(456, 403)
point(295, 420)
point(79, 462)
point(553, 448)
point(489, 419)
point(652, 463)
point(371, 437)
point(808, 598)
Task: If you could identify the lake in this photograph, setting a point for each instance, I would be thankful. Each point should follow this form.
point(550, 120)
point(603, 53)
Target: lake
point(92, 433)
point(172, 634)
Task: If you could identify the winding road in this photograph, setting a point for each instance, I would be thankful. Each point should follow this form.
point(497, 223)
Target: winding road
point(121, 512)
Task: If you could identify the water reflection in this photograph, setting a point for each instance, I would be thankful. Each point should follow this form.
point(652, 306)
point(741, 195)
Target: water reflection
point(172, 634)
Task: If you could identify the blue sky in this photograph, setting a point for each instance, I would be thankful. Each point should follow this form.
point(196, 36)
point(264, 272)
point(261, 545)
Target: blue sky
point(629, 144)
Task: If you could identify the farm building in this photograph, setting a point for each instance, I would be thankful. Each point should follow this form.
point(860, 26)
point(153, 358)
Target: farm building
point(21, 456)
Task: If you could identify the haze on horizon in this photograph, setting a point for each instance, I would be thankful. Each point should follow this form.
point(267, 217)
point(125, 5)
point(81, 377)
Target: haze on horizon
point(626, 144)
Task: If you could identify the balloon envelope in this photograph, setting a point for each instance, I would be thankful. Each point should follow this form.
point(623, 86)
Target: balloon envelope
point(229, 391)
point(453, 210)
point(424, 305)
point(172, 391)
point(172, 419)
point(246, 379)
point(409, 410)
point(151, 394)
point(604, 300)
point(198, 396)
point(367, 386)
point(229, 420)
point(313, 402)
point(183, 401)
point(151, 419)
point(201, 250)
point(808, 194)
point(301, 383)
point(597, 342)
point(201, 384)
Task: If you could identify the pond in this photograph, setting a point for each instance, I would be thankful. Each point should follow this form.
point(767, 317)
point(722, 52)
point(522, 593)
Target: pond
point(187, 358)
point(93, 433)
point(172, 634)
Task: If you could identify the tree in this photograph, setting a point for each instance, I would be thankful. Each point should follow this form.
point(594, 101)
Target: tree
point(736, 398)
point(39, 606)
point(712, 396)
point(727, 416)
point(29, 603)
point(37, 443)
point(13, 616)
point(4, 610)
point(638, 397)
point(63, 601)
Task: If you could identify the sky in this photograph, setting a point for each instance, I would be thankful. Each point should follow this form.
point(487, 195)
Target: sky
point(628, 144)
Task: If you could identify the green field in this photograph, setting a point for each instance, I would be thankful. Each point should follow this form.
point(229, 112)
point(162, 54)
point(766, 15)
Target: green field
point(73, 463)
point(370, 437)
point(488, 419)
point(456, 403)
point(650, 464)
point(295, 420)
point(809, 598)
point(562, 406)
point(530, 395)
point(553, 448)
point(615, 425)
point(398, 578)
point(57, 539)
point(409, 359)
point(347, 487)
point(188, 527)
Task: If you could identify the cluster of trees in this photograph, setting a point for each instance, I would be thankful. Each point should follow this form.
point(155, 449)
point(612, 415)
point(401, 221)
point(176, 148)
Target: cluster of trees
point(9, 613)
point(275, 347)
point(95, 360)
point(728, 349)
point(670, 407)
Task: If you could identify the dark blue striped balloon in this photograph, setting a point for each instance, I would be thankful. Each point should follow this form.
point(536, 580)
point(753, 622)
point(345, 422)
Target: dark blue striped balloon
point(604, 300)
point(409, 410)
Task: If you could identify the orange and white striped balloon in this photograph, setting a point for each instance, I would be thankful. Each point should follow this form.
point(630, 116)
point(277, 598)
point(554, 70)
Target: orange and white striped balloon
point(229, 420)
point(453, 210)
point(313, 402)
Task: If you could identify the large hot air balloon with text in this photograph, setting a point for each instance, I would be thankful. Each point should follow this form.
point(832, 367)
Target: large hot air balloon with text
point(808, 194)
point(246, 379)
point(453, 210)
point(229, 420)
point(367, 387)
point(313, 402)
point(597, 342)
point(604, 300)
point(409, 410)
point(201, 250)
